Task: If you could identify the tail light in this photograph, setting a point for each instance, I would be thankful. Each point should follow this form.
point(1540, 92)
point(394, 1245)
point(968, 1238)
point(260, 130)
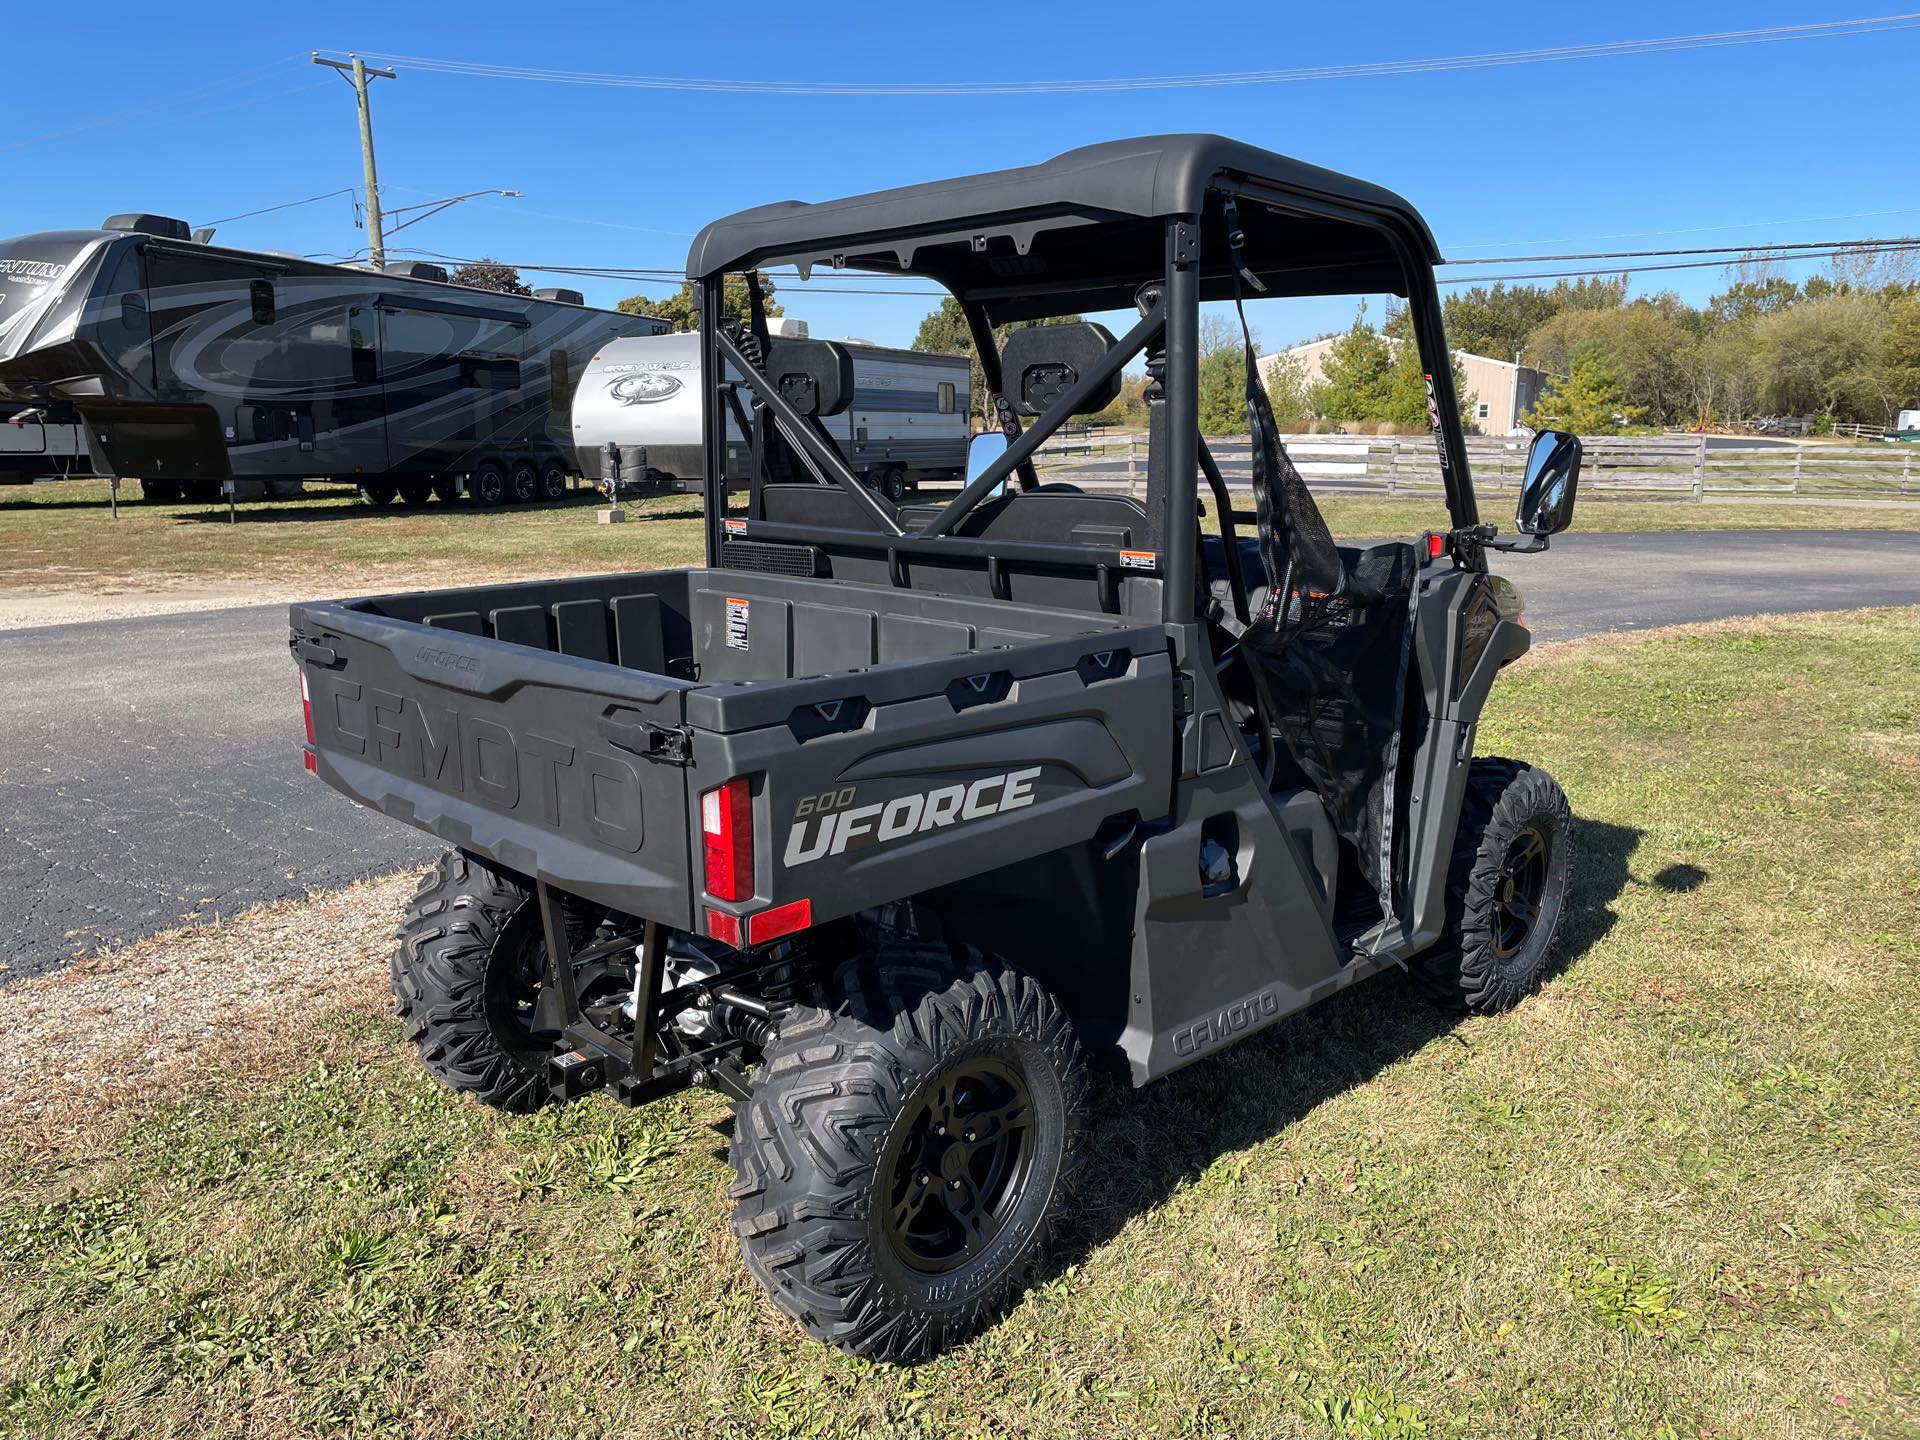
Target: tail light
point(726, 838)
point(307, 759)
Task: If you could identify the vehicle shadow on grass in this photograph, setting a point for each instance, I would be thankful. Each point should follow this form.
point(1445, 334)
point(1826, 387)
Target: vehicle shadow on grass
point(1146, 1144)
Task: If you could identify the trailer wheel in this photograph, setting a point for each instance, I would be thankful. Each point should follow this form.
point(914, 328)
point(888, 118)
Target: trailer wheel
point(415, 492)
point(553, 481)
point(524, 481)
point(909, 1150)
point(466, 975)
point(487, 484)
point(1507, 888)
point(160, 492)
point(378, 492)
point(446, 488)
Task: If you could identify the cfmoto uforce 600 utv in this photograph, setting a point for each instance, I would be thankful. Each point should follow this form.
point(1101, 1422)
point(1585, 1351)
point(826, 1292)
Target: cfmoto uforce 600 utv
point(888, 818)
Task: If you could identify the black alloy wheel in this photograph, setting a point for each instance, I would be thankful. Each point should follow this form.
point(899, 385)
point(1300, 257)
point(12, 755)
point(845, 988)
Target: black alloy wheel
point(960, 1166)
point(1518, 889)
point(524, 479)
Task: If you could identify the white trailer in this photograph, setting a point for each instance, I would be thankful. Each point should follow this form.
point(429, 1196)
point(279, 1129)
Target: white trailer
point(908, 424)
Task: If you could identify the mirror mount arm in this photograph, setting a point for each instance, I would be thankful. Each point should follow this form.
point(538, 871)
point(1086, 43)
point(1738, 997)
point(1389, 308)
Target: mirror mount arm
point(1520, 545)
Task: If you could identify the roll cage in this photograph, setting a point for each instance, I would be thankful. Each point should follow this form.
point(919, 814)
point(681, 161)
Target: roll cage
point(1158, 225)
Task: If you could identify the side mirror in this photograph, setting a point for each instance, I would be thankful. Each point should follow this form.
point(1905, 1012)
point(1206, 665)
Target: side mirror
point(982, 451)
point(1546, 495)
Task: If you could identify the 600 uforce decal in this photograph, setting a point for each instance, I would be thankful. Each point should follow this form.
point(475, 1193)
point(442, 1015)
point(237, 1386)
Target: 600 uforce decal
point(831, 824)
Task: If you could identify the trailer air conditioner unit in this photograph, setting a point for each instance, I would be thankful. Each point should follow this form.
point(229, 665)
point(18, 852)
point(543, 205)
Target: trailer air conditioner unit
point(560, 296)
point(786, 329)
point(162, 227)
point(417, 270)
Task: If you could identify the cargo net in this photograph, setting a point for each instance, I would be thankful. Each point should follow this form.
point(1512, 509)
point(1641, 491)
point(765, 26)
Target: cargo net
point(1328, 652)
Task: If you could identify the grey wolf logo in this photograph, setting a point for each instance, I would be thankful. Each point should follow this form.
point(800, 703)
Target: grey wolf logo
point(647, 387)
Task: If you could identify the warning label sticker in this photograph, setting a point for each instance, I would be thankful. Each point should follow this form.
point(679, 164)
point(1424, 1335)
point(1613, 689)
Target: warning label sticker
point(1140, 559)
point(736, 527)
point(736, 624)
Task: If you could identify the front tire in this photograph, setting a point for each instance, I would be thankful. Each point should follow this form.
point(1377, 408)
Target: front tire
point(553, 481)
point(160, 492)
point(909, 1150)
point(466, 975)
point(1507, 886)
point(378, 492)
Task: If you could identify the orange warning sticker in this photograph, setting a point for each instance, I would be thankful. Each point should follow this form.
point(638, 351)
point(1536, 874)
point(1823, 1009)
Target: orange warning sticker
point(1140, 559)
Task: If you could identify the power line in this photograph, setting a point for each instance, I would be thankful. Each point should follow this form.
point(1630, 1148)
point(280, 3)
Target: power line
point(1906, 249)
point(1737, 251)
point(1698, 229)
point(1776, 34)
point(290, 205)
point(171, 101)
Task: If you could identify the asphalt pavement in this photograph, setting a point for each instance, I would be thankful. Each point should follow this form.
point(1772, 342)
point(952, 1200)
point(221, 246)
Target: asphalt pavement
point(150, 769)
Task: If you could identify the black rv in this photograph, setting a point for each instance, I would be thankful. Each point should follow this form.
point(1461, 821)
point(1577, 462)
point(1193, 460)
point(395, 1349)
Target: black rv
point(189, 365)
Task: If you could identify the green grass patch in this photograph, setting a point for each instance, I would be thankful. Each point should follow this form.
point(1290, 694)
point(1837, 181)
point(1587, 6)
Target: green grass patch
point(1673, 1195)
point(61, 536)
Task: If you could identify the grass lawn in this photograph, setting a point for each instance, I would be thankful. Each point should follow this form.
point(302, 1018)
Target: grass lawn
point(1675, 1194)
point(60, 536)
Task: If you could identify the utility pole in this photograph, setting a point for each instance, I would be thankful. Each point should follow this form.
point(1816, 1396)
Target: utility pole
point(360, 75)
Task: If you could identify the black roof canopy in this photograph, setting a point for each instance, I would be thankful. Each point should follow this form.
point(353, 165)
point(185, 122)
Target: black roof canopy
point(1084, 230)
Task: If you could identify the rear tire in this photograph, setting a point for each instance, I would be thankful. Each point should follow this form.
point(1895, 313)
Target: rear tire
point(378, 493)
point(466, 974)
point(415, 492)
point(553, 481)
point(1507, 886)
point(487, 484)
point(872, 1199)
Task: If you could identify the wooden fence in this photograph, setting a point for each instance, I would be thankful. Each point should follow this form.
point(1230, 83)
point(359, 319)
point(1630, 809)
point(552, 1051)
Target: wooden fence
point(1668, 467)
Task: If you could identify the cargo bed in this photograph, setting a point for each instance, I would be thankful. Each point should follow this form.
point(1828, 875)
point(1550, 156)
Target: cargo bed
point(567, 729)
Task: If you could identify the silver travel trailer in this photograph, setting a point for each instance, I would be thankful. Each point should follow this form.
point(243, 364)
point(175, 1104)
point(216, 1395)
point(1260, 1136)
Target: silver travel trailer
point(190, 365)
point(34, 447)
point(908, 424)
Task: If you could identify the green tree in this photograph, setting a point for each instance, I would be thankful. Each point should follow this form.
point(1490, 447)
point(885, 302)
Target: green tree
point(682, 307)
point(1406, 403)
point(1900, 354)
point(1497, 321)
point(1819, 357)
point(485, 274)
point(1223, 393)
point(1650, 345)
point(1589, 400)
point(945, 332)
point(1356, 378)
point(1287, 393)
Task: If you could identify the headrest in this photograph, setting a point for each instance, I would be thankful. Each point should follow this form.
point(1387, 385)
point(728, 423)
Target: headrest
point(815, 376)
point(1042, 362)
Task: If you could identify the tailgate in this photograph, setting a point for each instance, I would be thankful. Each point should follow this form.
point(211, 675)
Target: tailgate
point(569, 770)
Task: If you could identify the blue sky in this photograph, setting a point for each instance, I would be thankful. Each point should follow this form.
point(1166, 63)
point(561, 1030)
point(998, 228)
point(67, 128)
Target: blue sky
point(213, 109)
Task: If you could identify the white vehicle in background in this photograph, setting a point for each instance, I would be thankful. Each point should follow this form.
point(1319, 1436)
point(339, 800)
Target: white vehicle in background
point(908, 424)
point(1907, 427)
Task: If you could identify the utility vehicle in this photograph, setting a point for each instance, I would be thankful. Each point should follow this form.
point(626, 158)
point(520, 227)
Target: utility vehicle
point(887, 821)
